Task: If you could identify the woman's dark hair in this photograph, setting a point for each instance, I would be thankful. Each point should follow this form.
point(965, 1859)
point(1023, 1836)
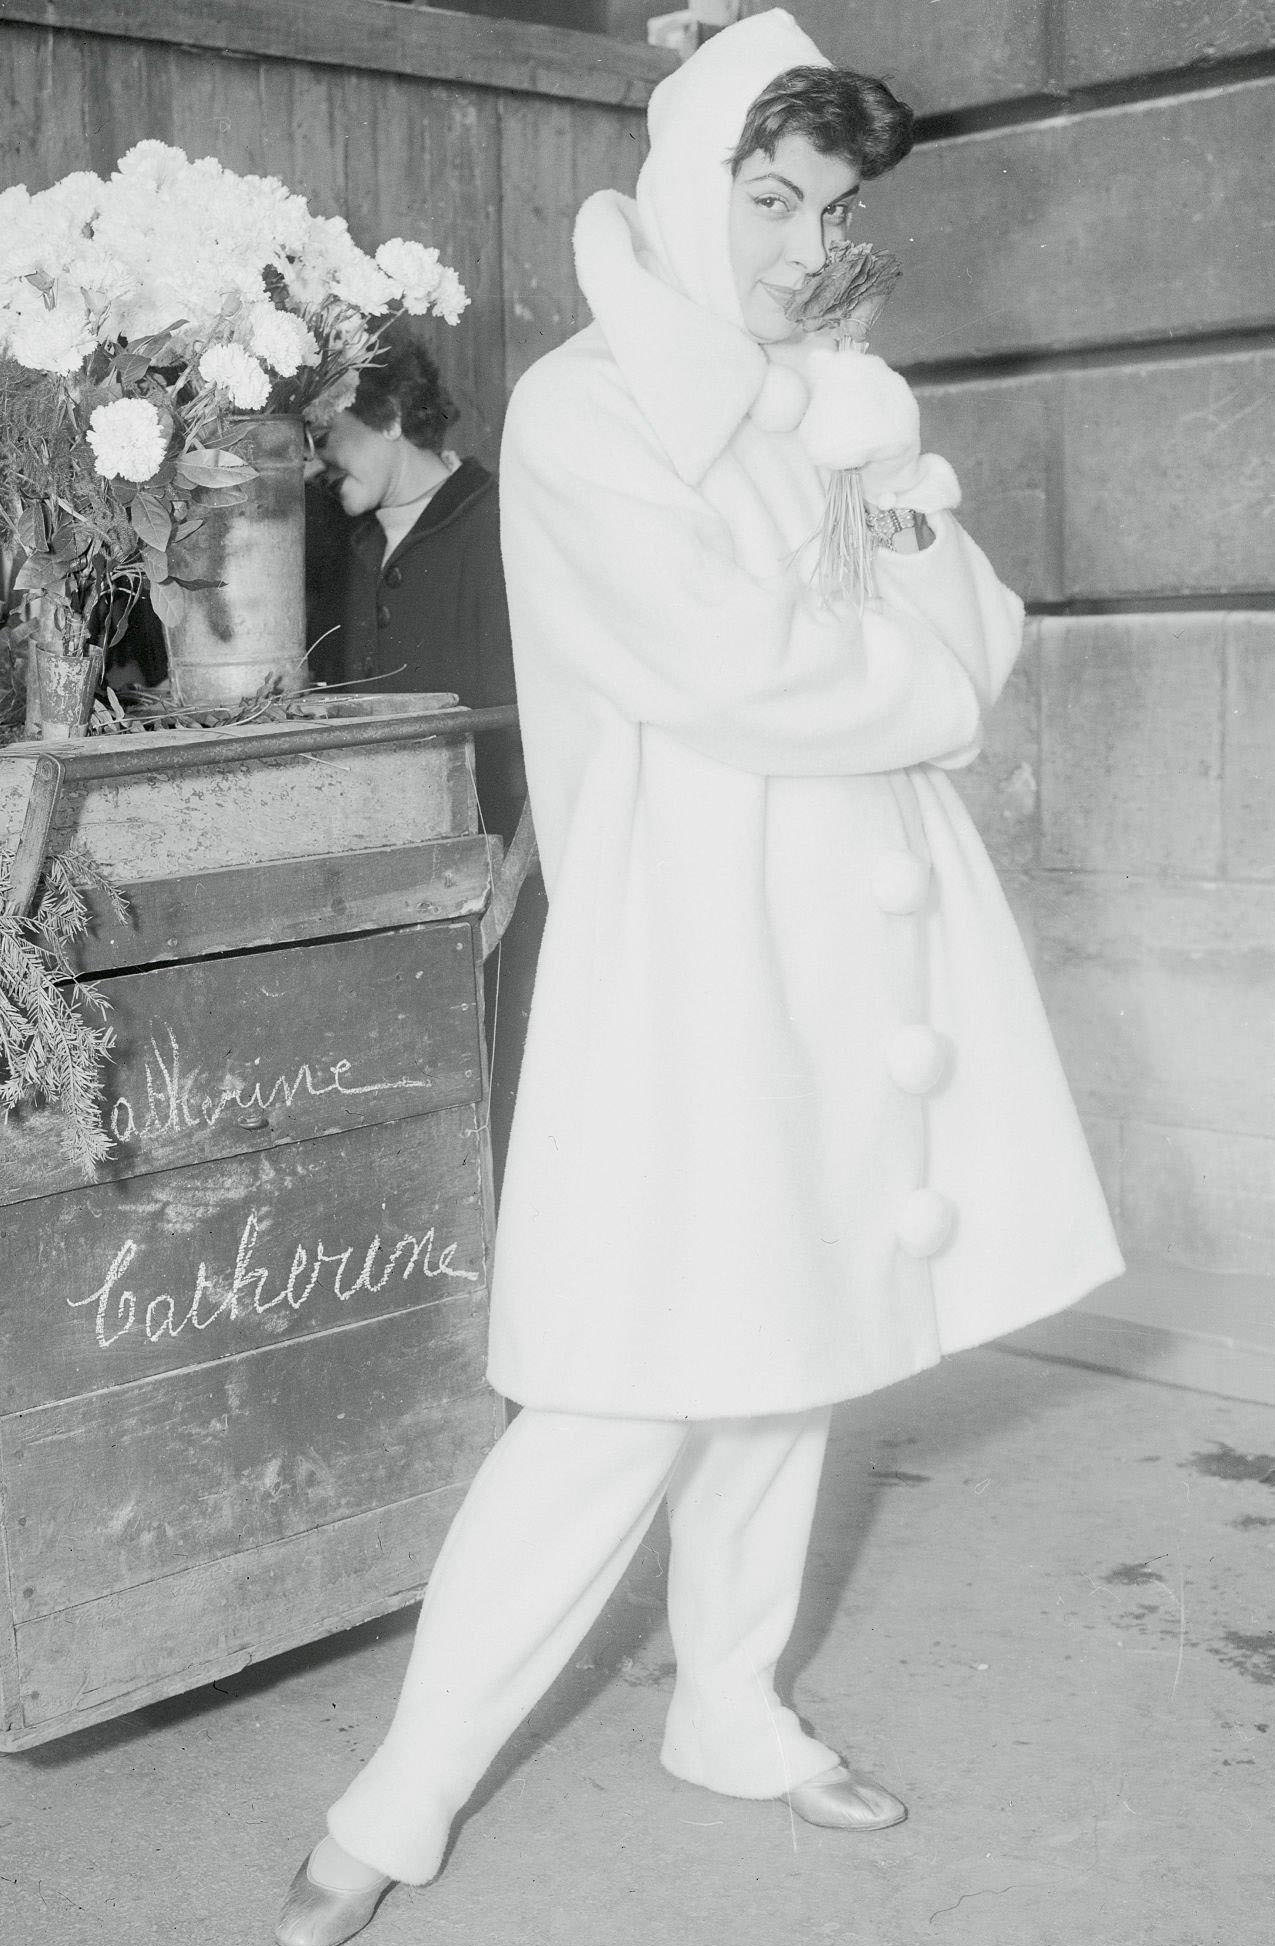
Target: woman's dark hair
point(839, 113)
point(404, 385)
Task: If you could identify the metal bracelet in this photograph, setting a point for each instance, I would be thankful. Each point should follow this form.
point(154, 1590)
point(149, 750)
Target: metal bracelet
point(885, 522)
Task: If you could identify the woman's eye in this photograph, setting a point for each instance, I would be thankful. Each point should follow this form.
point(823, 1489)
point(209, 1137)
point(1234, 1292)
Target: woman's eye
point(771, 204)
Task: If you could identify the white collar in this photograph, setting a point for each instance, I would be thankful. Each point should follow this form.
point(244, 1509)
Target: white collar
point(695, 376)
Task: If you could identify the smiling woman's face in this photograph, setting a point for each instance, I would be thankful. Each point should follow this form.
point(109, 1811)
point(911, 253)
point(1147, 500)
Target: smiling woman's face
point(360, 463)
point(786, 210)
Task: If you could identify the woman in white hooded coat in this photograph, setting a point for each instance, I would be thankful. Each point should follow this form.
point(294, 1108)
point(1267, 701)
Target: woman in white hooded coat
point(790, 1123)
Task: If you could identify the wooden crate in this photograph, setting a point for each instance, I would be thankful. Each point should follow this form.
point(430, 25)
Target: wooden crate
point(241, 1367)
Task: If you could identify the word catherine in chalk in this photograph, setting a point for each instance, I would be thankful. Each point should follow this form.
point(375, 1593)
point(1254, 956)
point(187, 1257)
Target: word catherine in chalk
point(118, 1310)
point(178, 1100)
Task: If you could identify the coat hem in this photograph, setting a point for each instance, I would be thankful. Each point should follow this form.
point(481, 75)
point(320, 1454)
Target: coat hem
point(783, 1407)
point(1112, 1267)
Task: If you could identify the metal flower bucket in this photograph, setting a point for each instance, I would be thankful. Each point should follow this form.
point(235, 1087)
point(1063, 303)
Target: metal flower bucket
point(250, 624)
point(65, 687)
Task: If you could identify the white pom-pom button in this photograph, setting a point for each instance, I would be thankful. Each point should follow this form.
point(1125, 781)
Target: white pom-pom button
point(900, 881)
point(925, 1222)
point(917, 1059)
point(781, 404)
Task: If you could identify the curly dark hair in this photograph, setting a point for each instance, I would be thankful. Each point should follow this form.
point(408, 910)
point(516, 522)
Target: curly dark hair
point(405, 386)
point(839, 112)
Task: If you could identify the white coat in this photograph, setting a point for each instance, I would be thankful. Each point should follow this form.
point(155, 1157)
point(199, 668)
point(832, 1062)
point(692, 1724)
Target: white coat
point(791, 1124)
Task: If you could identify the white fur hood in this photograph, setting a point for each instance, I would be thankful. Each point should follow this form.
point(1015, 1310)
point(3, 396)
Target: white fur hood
point(656, 271)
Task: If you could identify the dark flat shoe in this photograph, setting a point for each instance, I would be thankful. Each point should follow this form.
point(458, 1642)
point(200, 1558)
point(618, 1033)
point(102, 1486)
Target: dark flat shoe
point(320, 1915)
point(845, 1800)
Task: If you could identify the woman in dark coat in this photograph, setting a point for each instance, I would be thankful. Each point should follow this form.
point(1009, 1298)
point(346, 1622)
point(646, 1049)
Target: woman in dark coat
point(405, 591)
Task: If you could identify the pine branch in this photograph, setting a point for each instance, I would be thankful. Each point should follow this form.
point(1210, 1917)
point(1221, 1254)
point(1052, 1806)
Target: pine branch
point(49, 1050)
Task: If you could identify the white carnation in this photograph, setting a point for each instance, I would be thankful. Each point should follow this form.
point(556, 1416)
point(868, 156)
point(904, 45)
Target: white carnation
point(156, 164)
point(451, 297)
point(280, 340)
point(95, 270)
point(241, 376)
point(415, 268)
point(44, 340)
point(275, 212)
point(41, 233)
point(76, 199)
point(128, 439)
point(359, 281)
point(309, 275)
point(197, 241)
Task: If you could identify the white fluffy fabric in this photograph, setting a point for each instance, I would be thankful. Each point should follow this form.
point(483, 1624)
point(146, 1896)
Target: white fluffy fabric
point(782, 402)
point(695, 119)
point(860, 410)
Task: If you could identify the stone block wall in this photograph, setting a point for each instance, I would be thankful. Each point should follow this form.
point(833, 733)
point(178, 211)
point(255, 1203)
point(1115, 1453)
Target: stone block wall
point(1127, 796)
point(1088, 312)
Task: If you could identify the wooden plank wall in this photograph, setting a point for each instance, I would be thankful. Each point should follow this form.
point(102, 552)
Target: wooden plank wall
point(1089, 313)
point(477, 135)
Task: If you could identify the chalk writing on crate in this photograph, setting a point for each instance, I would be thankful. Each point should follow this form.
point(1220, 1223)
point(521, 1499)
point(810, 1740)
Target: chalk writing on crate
point(175, 1102)
point(119, 1311)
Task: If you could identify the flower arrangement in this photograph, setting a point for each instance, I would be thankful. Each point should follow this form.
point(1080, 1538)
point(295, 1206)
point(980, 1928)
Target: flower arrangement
point(139, 318)
point(49, 1050)
point(842, 300)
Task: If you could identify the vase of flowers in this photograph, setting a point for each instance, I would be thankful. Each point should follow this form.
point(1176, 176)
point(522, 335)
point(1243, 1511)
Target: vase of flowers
point(71, 553)
point(144, 320)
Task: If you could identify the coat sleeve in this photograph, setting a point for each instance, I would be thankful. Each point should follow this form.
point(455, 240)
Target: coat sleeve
point(952, 586)
point(623, 578)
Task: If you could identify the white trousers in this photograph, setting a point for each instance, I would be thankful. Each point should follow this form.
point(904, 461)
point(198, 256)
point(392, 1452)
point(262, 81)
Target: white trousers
point(552, 1519)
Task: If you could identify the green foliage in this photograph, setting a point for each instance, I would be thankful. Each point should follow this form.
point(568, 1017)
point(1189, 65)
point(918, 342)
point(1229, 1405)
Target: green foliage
point(14, 648)
point(90, 544)
point(49, 1049)
point(81, 550)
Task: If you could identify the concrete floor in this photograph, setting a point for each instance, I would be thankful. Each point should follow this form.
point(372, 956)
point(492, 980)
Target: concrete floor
point(1039, 1606)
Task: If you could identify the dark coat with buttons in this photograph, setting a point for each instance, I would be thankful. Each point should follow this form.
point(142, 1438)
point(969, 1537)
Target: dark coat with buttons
point(432, 616)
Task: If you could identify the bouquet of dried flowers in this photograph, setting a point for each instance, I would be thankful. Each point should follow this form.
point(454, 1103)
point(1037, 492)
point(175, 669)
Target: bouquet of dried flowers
point(140, 317)
point(841, 301)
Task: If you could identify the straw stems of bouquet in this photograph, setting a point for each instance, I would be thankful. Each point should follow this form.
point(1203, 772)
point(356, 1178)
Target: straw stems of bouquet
point(843, 300)
point(846, 545)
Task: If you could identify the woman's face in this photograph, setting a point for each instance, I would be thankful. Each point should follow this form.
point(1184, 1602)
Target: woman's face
point(361, 463)
point(786, 210)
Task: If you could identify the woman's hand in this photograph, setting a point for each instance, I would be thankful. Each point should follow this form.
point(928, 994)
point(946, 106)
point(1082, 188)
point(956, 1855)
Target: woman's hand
point(861, 412)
